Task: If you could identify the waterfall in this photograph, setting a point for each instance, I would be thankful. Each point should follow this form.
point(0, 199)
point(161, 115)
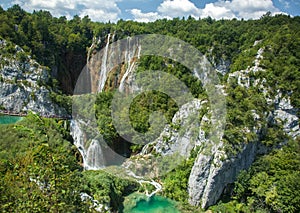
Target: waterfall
point(129, 58)
point(140, 180)
point(119, 53)
point(139, 52)
point(78, 137)
point(128, 70)
point(100, 64)
point(95, 158)
point(92, 155)
point(103, 72)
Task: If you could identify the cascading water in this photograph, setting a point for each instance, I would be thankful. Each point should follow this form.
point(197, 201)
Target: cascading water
point(78, 137)
point(100, 67)
point(129, 56)
point(103, 73)
point(95, 158)
point(128, 71)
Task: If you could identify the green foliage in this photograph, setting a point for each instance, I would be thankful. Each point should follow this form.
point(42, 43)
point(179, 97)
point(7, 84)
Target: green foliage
point(175, 183)
point(107, 188)
point(38, 168)
point(140, 110)
point(103, 114)
point(38, 149)
point(62, 100)
point(270, 185)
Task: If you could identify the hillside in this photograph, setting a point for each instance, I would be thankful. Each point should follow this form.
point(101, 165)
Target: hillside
point(203, 112)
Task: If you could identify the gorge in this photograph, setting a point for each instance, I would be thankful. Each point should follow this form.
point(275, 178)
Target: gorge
point(149, 120)
point(206, 181)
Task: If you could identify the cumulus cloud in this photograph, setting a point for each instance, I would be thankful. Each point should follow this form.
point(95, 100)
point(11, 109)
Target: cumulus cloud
point(177, 8)
point(101, 15)
point(168, 9)
point(249, 9)
point(104, 10)
point(217, 12)
point(221, 9)
point(108, 10)
point(144, 17)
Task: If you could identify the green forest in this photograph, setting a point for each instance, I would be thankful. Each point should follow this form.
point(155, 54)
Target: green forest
point(41, 169)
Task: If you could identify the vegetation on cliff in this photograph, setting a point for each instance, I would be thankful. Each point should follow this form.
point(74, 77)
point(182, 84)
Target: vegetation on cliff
point(39, 166)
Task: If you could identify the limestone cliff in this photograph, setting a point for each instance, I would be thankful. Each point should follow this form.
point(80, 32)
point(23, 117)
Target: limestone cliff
point(212, 172)
point(213, 168)
point(112, 66)
point(24, 85)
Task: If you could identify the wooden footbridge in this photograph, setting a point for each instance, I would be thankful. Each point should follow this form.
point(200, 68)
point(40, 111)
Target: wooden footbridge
point(24, 114)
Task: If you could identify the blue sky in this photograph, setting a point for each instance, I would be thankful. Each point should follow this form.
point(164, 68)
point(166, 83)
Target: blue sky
point(150, 10)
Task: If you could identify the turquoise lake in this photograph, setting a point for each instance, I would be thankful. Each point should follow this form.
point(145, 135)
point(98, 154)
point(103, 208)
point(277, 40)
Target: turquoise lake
point(155, 204)
point(7, 119)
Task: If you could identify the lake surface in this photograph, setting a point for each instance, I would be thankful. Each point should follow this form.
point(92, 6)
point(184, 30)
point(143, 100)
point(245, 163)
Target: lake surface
point(155, 204)
point(8, 119)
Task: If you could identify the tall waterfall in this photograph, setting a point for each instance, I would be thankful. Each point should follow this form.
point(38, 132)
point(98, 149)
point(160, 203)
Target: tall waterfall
point(122, 54)
point(103, 73)
point(129, 58)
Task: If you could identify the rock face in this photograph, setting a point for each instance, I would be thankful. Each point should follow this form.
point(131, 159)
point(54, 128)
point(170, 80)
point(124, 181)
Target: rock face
point(213, 169)
point(223, 66)
point(212, 172)
point(286, 114)
point(23, 87)
point(113, 65)
point(183, 140)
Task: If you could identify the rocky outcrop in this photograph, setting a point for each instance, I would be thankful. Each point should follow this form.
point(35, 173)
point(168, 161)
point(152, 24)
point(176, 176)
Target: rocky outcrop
point(212, 173)
point(286, 115)
point(23, 86)
point(223, 66)
point(243, 78)
point(184, 133)
point(214, 170)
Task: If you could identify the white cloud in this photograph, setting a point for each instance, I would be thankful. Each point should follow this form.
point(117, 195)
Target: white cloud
point(104, 10)
point(221, 9)
point(144, 17)
point(217, 12)
point(100, 15)
point(178, 8)
point(168, 9)
point(248, 9)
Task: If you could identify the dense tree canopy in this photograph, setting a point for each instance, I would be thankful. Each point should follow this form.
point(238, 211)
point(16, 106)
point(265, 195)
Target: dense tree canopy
point(39, 170)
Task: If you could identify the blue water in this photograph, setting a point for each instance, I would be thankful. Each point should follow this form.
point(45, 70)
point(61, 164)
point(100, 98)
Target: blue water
point(7, 119)
point(155, 204)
